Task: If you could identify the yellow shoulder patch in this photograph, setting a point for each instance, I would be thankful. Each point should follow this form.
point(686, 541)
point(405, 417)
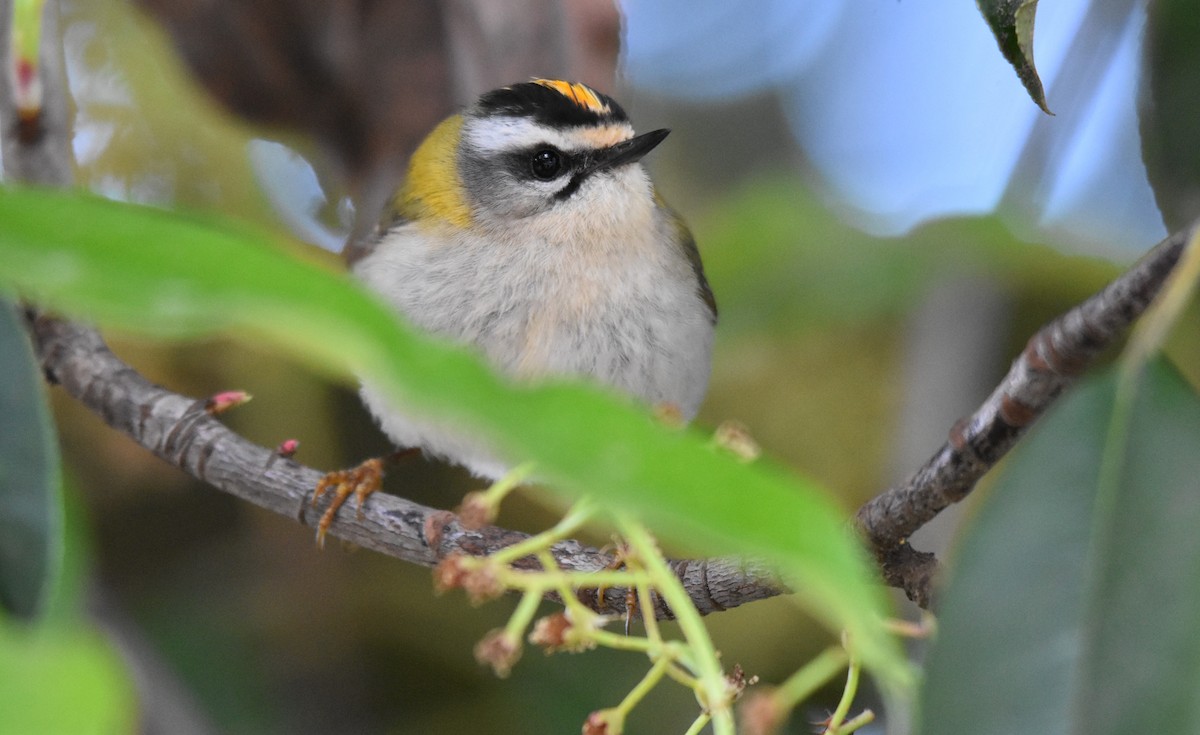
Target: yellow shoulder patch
point(581, 95)
point(434, 189)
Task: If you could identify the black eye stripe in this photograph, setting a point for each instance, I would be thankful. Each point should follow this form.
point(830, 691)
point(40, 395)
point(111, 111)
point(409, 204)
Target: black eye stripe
point(571, 187)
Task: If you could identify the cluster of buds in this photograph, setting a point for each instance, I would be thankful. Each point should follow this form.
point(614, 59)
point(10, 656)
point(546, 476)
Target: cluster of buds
point(737, 681)
point(762, 713)
point(563, 632)
point(734, 437)
point(604, 722)
point(476, 511)
point(500, 650)
point(477, 577)
point(577, 627)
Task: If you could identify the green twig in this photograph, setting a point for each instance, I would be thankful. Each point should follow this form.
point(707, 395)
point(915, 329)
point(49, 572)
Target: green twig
point(713, 691)
point(848, 694)
point(800, 685)
point(500, 489)
point(579, 514)
point(639, 692)
point(570, 581)
point(699, 724)
point(523, 615)
point(865, 717)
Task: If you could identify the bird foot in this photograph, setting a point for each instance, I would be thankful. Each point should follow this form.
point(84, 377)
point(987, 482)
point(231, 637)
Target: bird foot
point(358, 481)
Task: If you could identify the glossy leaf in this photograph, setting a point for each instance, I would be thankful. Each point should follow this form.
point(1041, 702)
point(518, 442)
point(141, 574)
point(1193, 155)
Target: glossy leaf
point(30, 525)
point(1074, 598)
point(1012, 23)
point(171, 276)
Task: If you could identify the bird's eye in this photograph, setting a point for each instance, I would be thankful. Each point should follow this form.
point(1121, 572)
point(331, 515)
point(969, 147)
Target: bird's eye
point(545, 164)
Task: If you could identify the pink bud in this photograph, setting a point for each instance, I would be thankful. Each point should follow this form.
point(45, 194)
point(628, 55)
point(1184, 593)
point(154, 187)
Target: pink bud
point(219, 403)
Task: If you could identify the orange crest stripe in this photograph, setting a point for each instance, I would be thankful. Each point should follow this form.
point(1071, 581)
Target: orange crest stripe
point(579, 94)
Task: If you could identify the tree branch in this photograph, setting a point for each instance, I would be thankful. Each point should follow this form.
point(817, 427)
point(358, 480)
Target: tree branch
point(1052, 360)
point(179, 430)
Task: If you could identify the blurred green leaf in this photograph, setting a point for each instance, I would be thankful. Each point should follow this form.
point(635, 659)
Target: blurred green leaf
point(1074, 598)
point(1169, 109)
point(56, 679)
point(30, 515)
point(172, 276)
point(783, 261)
point(779, 259)
point(1012, 23)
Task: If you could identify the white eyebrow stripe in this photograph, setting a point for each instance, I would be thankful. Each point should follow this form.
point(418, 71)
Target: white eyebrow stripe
point(510, 133)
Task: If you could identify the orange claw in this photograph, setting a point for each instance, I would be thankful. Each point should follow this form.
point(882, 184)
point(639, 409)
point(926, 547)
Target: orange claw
point(620, 554)
point(631, 607)
point(359, 481)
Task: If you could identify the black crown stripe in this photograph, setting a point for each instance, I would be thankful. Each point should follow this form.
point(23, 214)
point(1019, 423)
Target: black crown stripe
point(547, 106)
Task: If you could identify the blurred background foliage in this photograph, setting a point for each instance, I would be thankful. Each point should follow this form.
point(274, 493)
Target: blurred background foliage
point(848, 355)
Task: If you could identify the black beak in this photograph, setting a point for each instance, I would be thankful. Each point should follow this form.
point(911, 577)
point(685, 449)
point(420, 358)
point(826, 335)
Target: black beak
point(613, 156)
point(629, 151)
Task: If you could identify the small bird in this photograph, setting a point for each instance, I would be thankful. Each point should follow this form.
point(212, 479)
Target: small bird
point(528, 230)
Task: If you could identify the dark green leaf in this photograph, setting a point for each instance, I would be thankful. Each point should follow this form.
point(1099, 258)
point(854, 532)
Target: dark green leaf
point(30, 525)
point(157, 273)
point(1011, 22)
point(1141, 646)
point(1074, 598)
point(1000, 661)
point(1169, 109)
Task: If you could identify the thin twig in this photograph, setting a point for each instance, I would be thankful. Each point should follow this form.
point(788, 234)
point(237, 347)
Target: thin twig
point(1051, 362)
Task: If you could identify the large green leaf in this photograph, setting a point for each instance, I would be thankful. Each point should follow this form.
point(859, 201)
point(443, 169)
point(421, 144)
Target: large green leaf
point(29, 474)
point(163, 274)
point(1141, 648)
point(1075, 596)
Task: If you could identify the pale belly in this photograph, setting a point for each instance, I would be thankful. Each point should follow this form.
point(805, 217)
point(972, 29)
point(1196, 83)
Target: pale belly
point(639, 328)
